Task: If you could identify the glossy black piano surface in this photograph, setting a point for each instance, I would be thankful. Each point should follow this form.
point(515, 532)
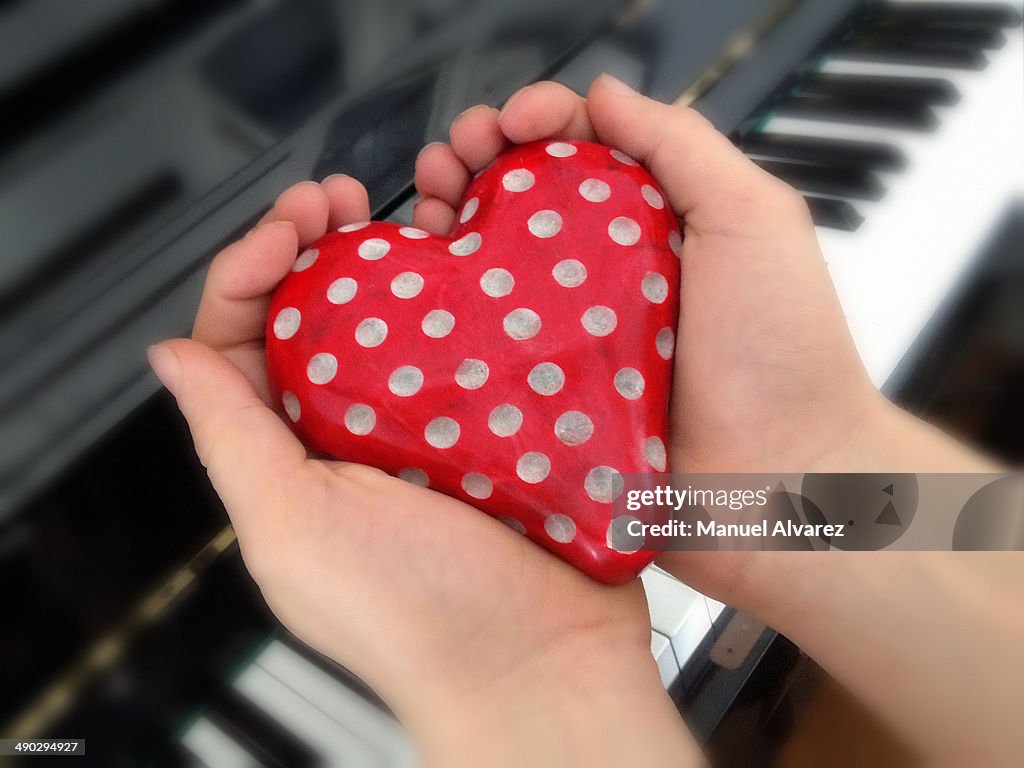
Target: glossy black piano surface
point(138, 138)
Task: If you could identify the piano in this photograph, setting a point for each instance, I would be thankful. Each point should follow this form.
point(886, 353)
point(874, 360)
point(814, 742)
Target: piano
point(138, 139)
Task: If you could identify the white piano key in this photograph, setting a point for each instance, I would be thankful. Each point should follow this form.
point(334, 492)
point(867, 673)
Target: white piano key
point(677, 611)
point(335, 744)
point(215, 749)
point(337, 701)
point(661, 649)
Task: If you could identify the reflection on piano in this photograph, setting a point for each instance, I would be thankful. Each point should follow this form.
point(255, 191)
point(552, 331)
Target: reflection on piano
point(166, 132)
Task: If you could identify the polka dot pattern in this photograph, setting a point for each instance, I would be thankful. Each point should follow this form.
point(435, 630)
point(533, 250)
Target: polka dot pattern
point(545, 224)
point(360, 419)
point(521, 364)
point(322, 368)
point(286, 324)
point(497, 282)
point(407, 285)
point(438, 323)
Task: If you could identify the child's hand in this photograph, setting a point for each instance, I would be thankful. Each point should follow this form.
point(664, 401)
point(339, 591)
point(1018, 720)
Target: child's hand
point(474, 635)
point(767, 380)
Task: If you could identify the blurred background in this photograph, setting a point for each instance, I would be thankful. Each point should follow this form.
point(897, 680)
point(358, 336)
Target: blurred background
point(137, 137)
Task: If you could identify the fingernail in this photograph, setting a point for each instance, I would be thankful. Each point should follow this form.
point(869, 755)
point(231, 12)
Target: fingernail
point(165, 365)
point(427, 146)
point(615, 85)
point(335, 176)
point(513, 97)
point(466, 111)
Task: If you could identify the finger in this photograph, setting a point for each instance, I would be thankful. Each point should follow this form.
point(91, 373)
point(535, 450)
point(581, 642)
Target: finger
point(347, 200)
point(233, 307)
point(306, 205)
point(709, 182)
point(441, 174)
point(546, 110)
point(476, 137)
point(433, 215)
point(248, 451)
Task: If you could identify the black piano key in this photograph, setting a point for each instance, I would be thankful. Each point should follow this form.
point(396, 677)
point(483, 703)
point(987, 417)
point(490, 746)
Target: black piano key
point(917, 52)
point(828, 180)
point(834, 214)
point(959, 37)
point(923, 14)
point(921, 90)
point(260, 734)
point(881, 112)
point(822, 151)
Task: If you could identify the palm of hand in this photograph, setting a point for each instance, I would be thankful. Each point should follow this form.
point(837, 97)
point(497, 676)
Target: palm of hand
point(393, 580)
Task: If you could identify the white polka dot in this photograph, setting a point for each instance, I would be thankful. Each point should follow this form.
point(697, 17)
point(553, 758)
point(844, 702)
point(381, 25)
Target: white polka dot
point(545, 224)
point(574, 428)
point(438, 323)
point(630, 383)
point(477, 485)
point(342, 290)
point(443, 432)
point(654, 287)
point(514, 524)
point(466, 244)
point(371, 332)
point(497, 282)
point(618, 538)
point(560, 527)
point(675, 242)
point(654, 452)
point(569, 273)
point(472, 374)
point(522, 324)
point(286, 324)
point(533, 467)
point(322, 368)
point(624, 231)
point(469, 209)
point(518, 180)
point(305, 260)
point(599, 321)
point(374, 248)
point(407, 285)
point(505, 420)
point(665, 342)
point(652, 196)
point(560, 149)
point(354, 227)
point(595, 190)
point(405, 381)
point(603, 484)
point(622, 157)
point(546, 379)
point(291, 405)
point(414, 476)
point(413, 233)
point(360, 419)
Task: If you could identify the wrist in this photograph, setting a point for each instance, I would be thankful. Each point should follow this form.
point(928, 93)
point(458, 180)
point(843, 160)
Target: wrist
point(583, 703)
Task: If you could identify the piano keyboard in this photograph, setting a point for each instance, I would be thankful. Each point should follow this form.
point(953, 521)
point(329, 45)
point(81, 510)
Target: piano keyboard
point(902, 139)
point(313, 709)
point(294, 713)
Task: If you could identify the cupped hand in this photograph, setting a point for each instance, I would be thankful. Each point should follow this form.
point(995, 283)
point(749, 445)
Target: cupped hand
point(447, 613)
point(766, 375)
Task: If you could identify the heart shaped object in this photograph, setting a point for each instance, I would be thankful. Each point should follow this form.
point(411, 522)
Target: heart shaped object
point(522, 364)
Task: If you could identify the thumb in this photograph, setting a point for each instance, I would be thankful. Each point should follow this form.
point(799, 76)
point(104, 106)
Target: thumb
point(710, 184)
point(244, 445)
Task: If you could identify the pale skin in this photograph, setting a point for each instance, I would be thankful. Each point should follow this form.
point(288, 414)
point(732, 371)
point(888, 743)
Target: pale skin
point(514, 658)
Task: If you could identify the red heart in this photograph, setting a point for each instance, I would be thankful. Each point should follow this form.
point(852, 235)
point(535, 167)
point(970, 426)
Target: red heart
point(517, 364)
